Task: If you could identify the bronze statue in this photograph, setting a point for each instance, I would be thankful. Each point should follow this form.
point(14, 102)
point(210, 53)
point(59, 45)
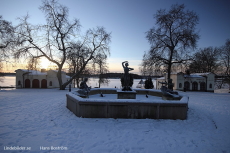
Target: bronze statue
point(84, 89)
point(167, 91)
point(127, 77)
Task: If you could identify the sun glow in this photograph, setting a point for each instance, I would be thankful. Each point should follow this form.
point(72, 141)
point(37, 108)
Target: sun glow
point(45, 63)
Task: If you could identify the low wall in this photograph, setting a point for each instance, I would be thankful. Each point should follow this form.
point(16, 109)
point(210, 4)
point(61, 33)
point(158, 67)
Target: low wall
point(127, 108)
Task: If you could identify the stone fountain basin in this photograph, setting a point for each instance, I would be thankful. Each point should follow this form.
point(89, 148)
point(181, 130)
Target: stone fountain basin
point(140, 108)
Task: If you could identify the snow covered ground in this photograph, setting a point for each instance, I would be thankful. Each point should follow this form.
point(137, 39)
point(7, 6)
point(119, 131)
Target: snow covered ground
point(38, 120)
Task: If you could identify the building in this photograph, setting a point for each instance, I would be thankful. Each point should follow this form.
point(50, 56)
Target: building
point(38, 79)
point(192, 82)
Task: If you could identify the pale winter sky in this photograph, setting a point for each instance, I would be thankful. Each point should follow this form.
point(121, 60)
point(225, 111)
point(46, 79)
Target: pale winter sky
point(128, 21)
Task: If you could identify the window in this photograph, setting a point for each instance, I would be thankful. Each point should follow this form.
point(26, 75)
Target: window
point(50, 84)
point(210, 85)
point(180, 85)
point(19, 83)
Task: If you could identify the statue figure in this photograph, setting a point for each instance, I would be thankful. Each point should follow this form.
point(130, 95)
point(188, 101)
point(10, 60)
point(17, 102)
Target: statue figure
point(167, 91)
point(170, 84)
point(84, 89)
point(127, 77)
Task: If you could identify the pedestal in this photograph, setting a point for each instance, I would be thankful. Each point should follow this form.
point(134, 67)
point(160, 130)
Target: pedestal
point(126, 94)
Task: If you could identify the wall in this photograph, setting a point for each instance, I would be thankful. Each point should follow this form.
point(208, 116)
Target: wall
point(120, 108)
point(20, 77)
point(210, 80)
point(50, 76)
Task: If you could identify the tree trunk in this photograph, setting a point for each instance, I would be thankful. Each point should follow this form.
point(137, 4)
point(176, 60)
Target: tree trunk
point(75, 75)
point(59, 76)
point(169, 71)
point(170, 66)
point(74, 83)
point(99, 82)
point(77, 79)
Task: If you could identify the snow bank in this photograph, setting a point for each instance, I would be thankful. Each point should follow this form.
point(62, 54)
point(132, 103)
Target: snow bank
point(221, 91)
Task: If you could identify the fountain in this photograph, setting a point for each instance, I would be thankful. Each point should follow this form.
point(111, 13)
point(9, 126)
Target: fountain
point(126, 81)
point(126, 102)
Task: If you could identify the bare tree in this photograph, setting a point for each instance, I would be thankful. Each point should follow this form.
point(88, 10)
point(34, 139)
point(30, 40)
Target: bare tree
point(76, 61)
point(51, 40)
point(206, 60)
point(148, 67)
point(33, 63)
point(225, 59)
point(101, 68)
point(171, 38)
point(6, 35)
point(54, 39)
point(96, 42)
point(6, 42)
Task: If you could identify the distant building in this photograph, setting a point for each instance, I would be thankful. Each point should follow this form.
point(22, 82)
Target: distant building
point(38, 79)
point(192, 82)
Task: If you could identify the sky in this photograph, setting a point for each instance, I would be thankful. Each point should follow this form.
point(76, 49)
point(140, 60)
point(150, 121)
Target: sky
point(128, 21)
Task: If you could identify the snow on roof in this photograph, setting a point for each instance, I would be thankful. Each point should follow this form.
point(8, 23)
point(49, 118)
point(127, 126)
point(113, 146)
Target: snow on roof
point(173, 73)
point(161, 78)
point(201, 74)
point(57, 71)
point(192, 76)
point(33, 72)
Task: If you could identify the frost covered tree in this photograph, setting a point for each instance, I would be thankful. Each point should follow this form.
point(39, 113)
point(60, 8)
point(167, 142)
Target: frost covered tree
point(171, 38)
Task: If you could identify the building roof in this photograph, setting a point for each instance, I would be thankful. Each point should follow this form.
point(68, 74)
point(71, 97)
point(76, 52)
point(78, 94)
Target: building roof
point(33, 72)
point(193, 76)
point(57, 71)
point(202, 74)
point(161, 78)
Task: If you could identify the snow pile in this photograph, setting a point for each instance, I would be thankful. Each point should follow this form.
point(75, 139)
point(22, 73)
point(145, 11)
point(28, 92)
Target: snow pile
point(37, 119)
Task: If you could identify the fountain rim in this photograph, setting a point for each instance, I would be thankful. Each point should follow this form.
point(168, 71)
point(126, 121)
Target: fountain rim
point(184, 99)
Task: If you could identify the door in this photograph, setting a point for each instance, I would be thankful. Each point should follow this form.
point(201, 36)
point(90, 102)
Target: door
point(195, 86)
point(202, 86)
point(44, 83)
point(35, 83)
point(27, 83)
point(187, 85)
